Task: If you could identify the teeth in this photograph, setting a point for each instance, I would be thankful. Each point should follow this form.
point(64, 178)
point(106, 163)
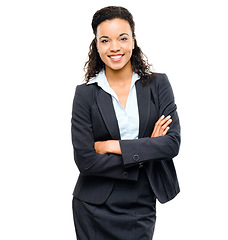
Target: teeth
point(116, 57)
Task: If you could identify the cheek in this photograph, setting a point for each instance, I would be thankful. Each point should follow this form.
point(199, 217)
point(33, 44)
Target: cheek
point(102, 54)
point(129, 49)
point(102, 48)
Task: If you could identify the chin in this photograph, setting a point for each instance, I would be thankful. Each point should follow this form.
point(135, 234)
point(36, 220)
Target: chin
point(118, 67)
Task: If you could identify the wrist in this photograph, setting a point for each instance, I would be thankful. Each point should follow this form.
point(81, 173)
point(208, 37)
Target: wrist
point(113, 147)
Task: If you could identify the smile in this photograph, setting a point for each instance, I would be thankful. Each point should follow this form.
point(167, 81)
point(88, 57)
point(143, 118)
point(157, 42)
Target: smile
point(116, 58)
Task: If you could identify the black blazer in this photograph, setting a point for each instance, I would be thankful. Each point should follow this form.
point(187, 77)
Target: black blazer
point(94, 119)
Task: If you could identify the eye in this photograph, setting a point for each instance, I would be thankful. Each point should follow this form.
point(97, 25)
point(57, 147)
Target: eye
point(104, 41)
point(123, 39)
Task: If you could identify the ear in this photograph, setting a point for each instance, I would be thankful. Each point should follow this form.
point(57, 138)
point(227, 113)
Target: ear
point(133, 47)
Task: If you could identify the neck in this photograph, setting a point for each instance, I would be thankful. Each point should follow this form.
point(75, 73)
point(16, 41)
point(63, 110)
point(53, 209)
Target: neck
point(119, 76)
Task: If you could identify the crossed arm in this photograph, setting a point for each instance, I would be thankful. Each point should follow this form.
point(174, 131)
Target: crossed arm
point(113, 146)
point(90, 156)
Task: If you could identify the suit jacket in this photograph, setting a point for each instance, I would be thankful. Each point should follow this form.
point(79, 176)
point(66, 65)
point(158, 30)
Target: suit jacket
point(94, 119)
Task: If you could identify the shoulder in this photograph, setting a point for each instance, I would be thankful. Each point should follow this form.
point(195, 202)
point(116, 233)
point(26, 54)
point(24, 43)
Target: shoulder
point(155, 81)
point(84, 93)
point(159, 79)
point(160, 85)
point(85, 90)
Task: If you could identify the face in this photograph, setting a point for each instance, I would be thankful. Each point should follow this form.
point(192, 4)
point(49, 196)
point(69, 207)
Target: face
point(115, 43)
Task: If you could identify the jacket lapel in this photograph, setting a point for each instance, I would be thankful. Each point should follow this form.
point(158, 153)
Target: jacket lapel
point(105, 105)
point(143, 97)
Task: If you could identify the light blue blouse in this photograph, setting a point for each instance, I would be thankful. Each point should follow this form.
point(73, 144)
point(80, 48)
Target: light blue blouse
point(128, 118)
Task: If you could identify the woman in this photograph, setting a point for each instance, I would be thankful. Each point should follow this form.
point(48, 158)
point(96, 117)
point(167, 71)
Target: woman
point(125, 132)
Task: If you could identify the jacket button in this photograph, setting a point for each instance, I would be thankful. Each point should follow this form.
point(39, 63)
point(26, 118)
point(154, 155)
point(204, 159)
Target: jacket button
point(136, 157)
point(125, 175)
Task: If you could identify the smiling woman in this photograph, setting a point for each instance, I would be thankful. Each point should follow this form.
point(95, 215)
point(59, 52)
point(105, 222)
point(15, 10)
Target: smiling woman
point(106, 16)
point(125, 132)
point(115, 43)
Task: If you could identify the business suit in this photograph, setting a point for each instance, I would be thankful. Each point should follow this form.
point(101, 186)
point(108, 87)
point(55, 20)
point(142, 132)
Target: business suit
point(93, 119)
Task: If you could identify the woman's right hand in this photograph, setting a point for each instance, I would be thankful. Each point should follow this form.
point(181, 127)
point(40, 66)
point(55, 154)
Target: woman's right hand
point(161, 126)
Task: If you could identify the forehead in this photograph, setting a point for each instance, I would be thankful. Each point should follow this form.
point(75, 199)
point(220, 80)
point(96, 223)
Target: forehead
point(113, 27)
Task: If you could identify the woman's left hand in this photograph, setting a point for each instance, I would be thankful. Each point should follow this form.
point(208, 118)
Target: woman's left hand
point(161, 126)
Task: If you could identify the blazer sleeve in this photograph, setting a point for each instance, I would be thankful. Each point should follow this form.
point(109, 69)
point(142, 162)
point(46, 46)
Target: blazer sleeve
point(88, 161)
point(156, 148)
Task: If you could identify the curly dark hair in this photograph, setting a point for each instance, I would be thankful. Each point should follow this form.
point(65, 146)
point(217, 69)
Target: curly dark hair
point(139, 61)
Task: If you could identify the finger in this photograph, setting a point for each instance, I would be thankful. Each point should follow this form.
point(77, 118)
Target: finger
point(166, 130)
point(161, 119)
point(163, 124)
point(167, 124)
point(165, 120)
point(157, 125)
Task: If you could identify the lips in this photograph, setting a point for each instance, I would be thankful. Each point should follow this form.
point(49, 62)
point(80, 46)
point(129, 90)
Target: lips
point(116, 57)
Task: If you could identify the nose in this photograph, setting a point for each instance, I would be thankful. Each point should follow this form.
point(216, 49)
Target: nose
point(115, 46)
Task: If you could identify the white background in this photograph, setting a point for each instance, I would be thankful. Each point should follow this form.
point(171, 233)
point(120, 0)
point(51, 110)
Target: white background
point(43, 47)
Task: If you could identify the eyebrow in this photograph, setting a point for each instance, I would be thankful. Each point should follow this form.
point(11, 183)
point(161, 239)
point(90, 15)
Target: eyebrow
point(124, 34)
point(119, 35)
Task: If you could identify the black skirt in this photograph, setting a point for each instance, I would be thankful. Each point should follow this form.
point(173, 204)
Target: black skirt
point(128, 214)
